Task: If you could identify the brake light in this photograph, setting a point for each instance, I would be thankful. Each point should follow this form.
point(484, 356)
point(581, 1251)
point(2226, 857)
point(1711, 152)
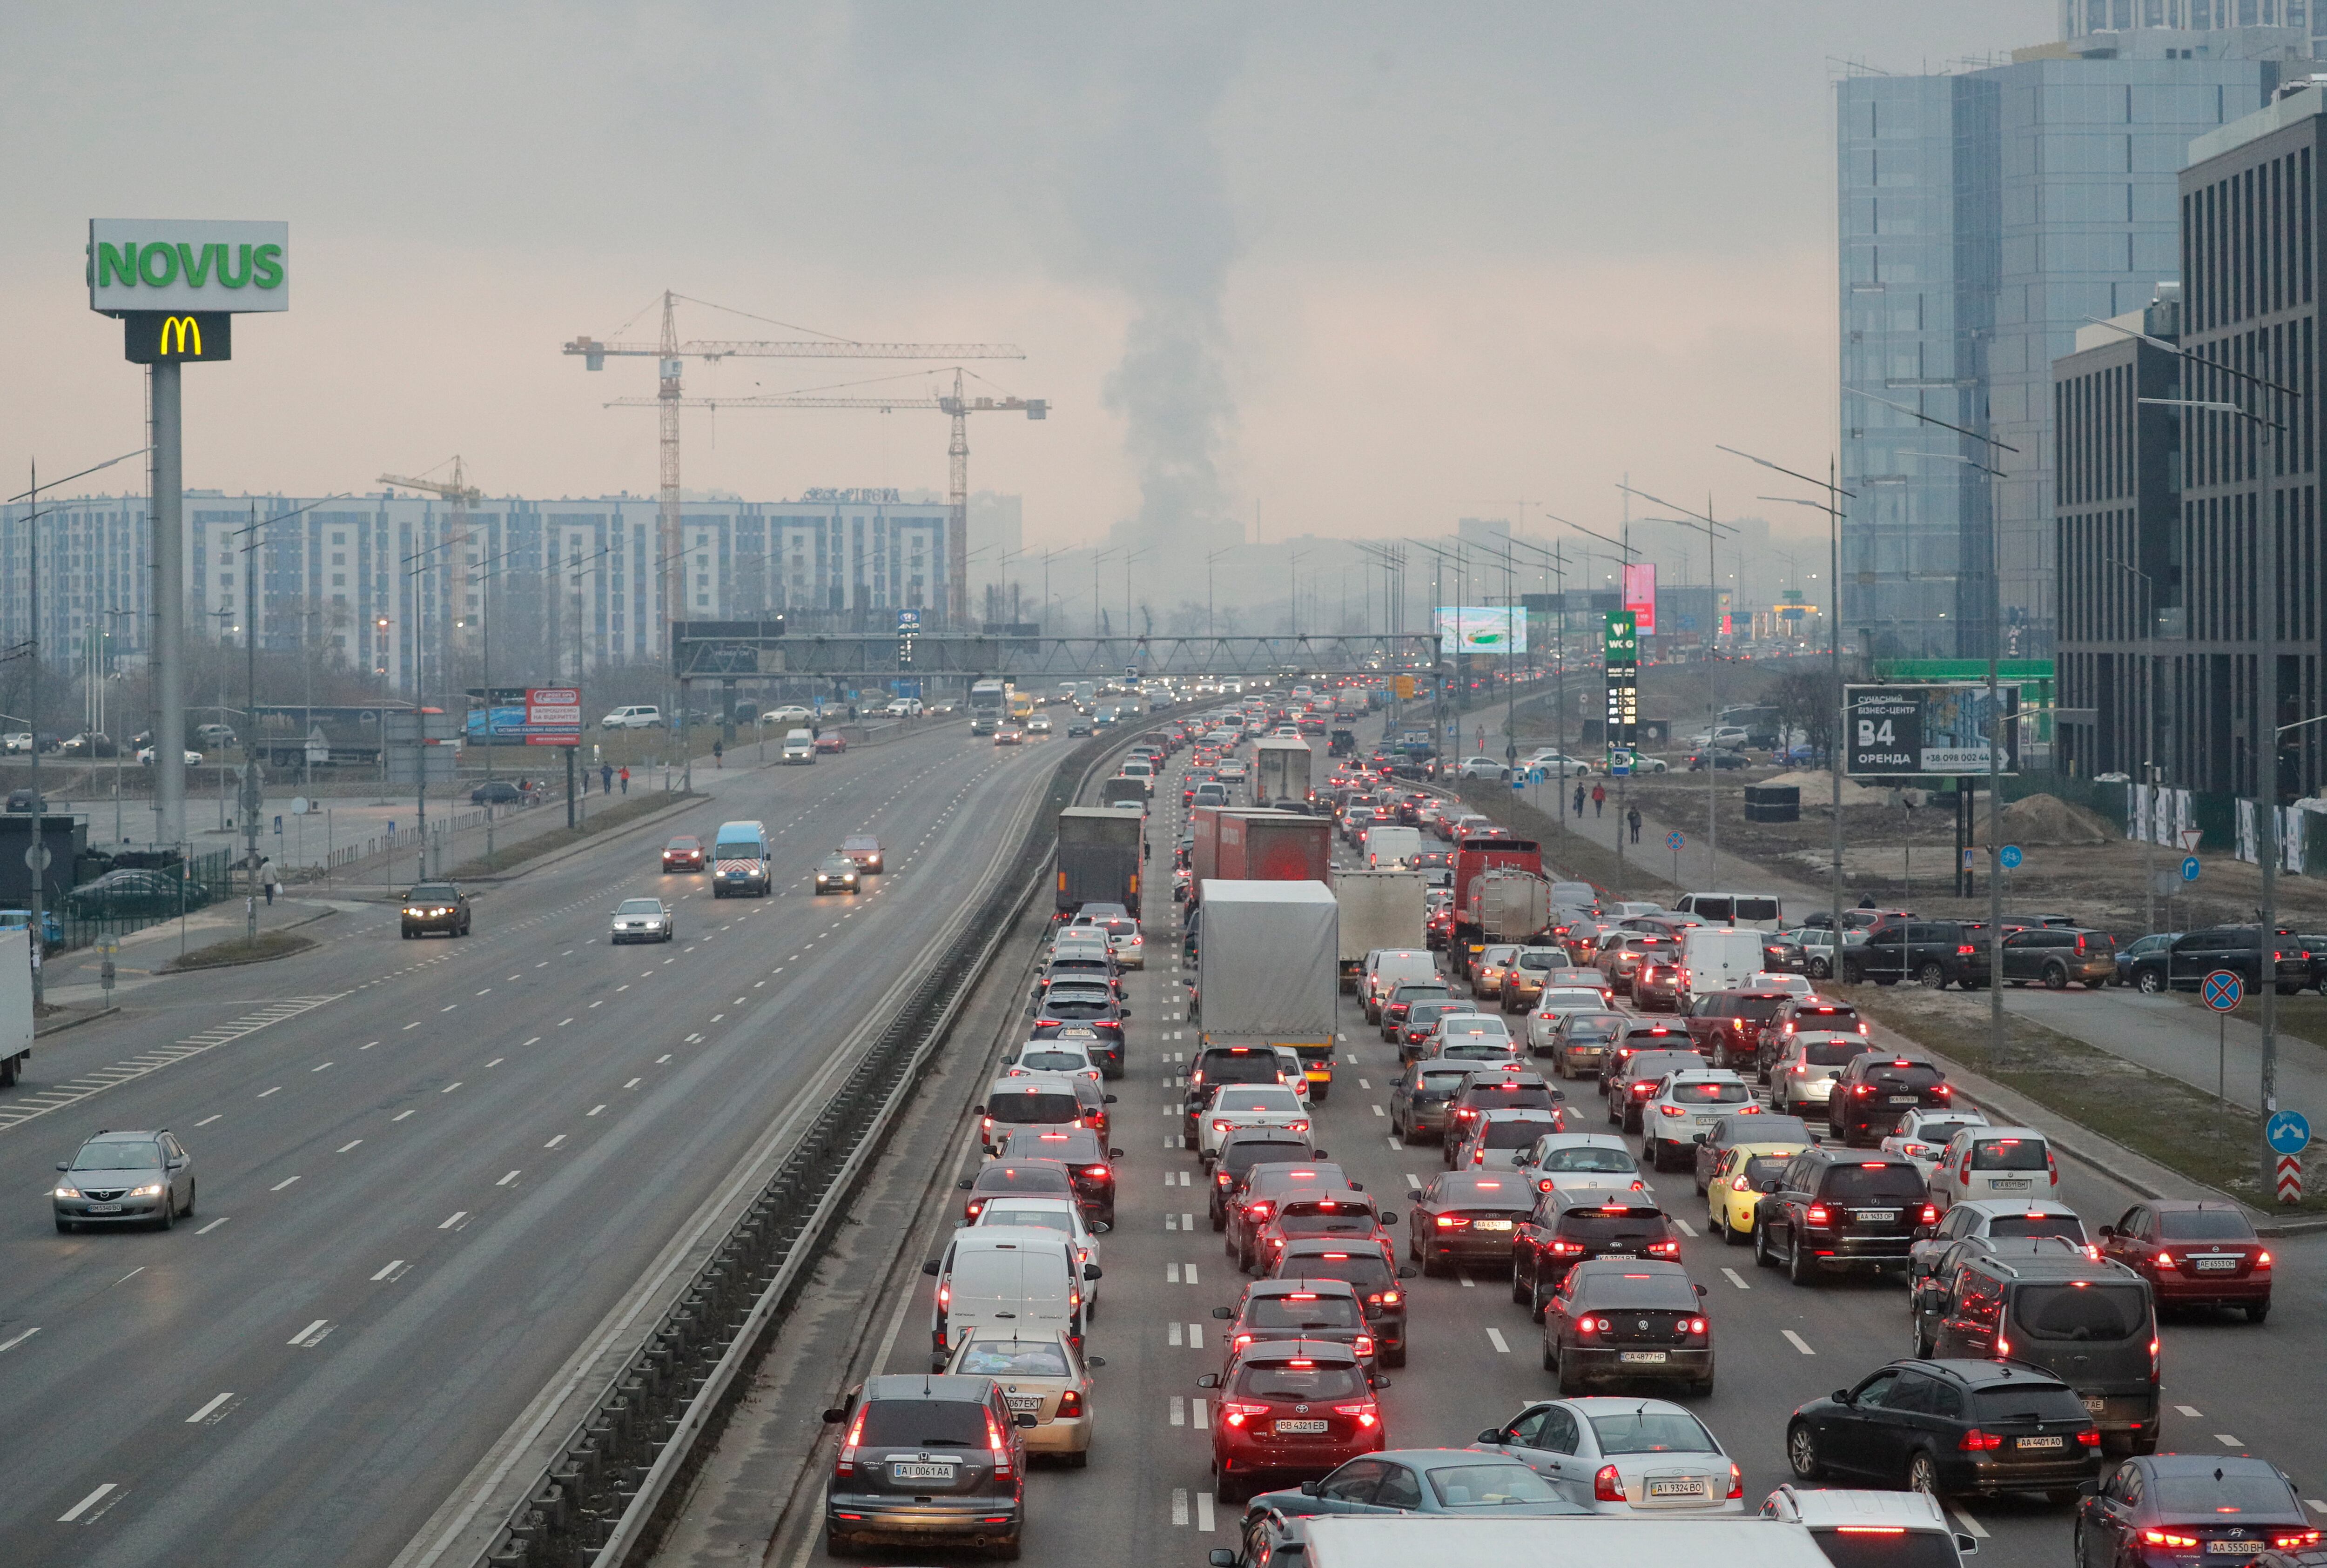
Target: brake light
point(2295, 1538)
point(2165, 1260)
point(1664, 1249)
point(1365, 1346)
point(1451, 1222)
point(1071, 1404)
point(1696, 1325)
point(2003, 1348)
point(2089, 1438)
point(1978, 1442)
point(996, 1446)
point(1240, 1342)
point(1817, 1214)
point(846, 1464)
point(1258, 1208)
point(1607, 1485)
point(1219, 1126)
point(945, 1294)
point(1236, 1412)
point(1740, 1184)
point(1368, 1416)
point(1800, 1068)
point(1736, 1481)
point(2262, 1260)
point(2166, 1538)
point(1388, 1298)
point(1863, 1090)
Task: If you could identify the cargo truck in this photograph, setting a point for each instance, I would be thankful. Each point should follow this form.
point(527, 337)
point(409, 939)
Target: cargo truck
point(1282, 773)
point(1509, 906)
point(1474, 855)
point(1245, 844)
point(16, 1002)
point(1379, 909)
point(1736, 1540)
point(1098, 858)
point(1266, 971)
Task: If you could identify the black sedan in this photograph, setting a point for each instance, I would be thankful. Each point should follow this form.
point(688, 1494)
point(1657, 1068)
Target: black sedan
point(436, 906)
point(1946, 1427)
point(2173, 1508)
point(497, 792)
point(1721, 761)
point(1622, 1319)
point(836, 873)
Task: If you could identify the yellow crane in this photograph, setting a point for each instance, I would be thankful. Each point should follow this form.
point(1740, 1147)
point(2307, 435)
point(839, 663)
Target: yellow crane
point(670, 352)
point(459, 493)
point(959, 408)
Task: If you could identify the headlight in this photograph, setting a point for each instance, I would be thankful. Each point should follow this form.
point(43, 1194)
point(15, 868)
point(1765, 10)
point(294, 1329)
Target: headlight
point(67, 1191)
point(150, 1190)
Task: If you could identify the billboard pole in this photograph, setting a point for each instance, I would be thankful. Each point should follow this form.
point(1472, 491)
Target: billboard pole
point(169, 646)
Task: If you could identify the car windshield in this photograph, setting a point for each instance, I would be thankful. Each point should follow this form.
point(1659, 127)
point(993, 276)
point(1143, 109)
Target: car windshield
point(1293, 1380)
point(1490, 1486)
point(1709, 1094)
point(1256, 1099)
point(1606, 1162)
point(1541, 958)
point(1652, 1431)
point(1033, 1219)
point(1012, 1360)
point(1913, 1075)
point(1369, 1271)
point(1476, 1025)
point(1054, 1060)
point(1865, 1181)
point(1041, 1176)
point(924, 1424)
point(1886, 1547)
point(1616, 1225)
point(2204, 1225)
point(2007, 1154)
point(1667, 1292)
point(638, 907)
point(687, 843)
point(1303, 1310)
point(1567, 998)
point(1515, 1132)
point(118, 1154)
point(1326, 1218)
point(2223, 1493)
point(433, 893)
point(2029, 1401)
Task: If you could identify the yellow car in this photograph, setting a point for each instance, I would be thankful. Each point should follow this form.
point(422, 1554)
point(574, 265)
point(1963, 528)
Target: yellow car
point(1043, 1375)
point(1745, 1172)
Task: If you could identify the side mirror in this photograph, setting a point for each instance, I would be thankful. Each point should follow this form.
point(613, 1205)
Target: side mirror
point(1221, 1557)
point(1492, 1434)
point(1841, 1396)
point(1090, 1271)
point(1388, 1217)
point(1209, 1380)
point(1114, 1154)
point(1321, 1155)
point(1312, 1488)
point(1094, 1360)
point(1357, 1187)
point(1408, 1272)
point(1700, 1290)
point(1101, 1226)
point(977, 1110)
point(2107, 1230)
point(965, 1184)
point(836, 1415)
point(1965, 1545)
point(931, 1268)
point(63, 1165)
point(1108, 1100)
point(1225, 1314)
point(2090, 1487)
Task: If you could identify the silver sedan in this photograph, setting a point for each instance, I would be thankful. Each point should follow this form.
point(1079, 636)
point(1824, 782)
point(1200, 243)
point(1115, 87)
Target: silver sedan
point(641, 920)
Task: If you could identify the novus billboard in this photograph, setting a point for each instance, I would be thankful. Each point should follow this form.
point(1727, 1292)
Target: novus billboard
point(179, 265)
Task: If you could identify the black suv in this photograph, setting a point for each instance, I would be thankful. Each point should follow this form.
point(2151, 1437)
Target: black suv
point(436, 906)
point(1933, 953)
point(1493, 1089)
point(1225, 1064)
point(1943, 1427)
point(1316, 1258)
point(1875, 1090)
point(1572, 1224)
point(2045, 1302)
point(2184, 965)
point(928, 1458)
point(1246, 1147)
point(1839, 1208)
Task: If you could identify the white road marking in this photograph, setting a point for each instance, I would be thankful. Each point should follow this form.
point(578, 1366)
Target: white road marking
point(1199, 1414)
point(345, 1147)
point(497, 1061)
point(594, 1110)
point(6, 1345)
point(306, 1337)
point(1797, 1342)
point(1187, 1222)
point(1495, 1337)
point(195, 1419)
point(1379, 1112)
point(1195, 1336)
point(1413, 1183)
point(554, 1141)
point(2187, 1411)
point(1171, 1333)
point(1393, 1143)
point(458, 1215)
point(634, 1083)
point(2312, 1503)
point(388, 1273)
point(275, 1090)
point(399, 1116)
point(279, 1185)
point(1180, 1503)
point(413, 1024)
point(1970, 1524)
point(1684, 1225)
point(506, 1180)
point(534, 1040)
point(1736, 1279)
point(448, 1088)
point(661, 1059)
point(1171, 1273)
point(2226, 1441)
point(320, 1067)
point(1466, 1282)
point(206, 1120)
point(87, 1503)
point(205, 1230)
point(1203, 1510)
point(1179, 1411)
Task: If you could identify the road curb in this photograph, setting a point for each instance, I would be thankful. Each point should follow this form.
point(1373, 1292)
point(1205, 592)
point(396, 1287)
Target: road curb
point(63, 1024)
point(555, 856)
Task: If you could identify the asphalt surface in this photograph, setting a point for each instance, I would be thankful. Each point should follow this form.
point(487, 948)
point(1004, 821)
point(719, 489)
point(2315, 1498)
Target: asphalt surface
point(1146, 1498)
point(426, 1170)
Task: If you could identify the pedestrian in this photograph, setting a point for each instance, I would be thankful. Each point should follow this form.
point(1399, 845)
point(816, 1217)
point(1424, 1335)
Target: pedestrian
point(1632, 820)
point(626, 780)
point(270, 879)
point(1579, 797)
point(1866, 900)
point(1599, 800)
point(606, 778)
point(718, 754)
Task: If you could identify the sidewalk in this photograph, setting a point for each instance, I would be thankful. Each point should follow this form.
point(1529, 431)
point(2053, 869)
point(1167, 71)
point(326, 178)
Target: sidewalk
point(72, 978)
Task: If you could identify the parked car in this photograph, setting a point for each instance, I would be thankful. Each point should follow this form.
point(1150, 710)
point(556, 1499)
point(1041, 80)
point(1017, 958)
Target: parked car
point(2188, 959)
point(2054, 956)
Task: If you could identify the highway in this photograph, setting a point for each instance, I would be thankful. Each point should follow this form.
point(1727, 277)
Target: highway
point(1146, 1498)
point(428, 1171)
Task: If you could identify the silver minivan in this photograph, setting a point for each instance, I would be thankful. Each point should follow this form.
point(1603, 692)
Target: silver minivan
point(1014, 1278)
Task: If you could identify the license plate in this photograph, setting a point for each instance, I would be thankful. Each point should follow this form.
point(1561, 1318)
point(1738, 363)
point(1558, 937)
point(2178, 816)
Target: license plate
point(922, 1472)
point(2209, 1264)
point(2039, 1442)
point(2019, 1184)
point(1903, 1099)
point(1876, 1215)
point(1301, 1427)
point(1677, 1487)
point(1490, 1225)
point(104, 1209)
point(2095, 1405)
point(1641, 1357)
point(1025, 1402)
point(2231, 1548)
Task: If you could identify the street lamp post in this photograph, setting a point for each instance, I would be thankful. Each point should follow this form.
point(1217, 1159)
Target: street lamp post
point(1704, 524)
point(1215, 555)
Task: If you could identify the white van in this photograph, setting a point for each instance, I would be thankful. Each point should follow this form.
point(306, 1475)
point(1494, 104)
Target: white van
point(1388, 847)
point(1716, 958)
point(636, 716)
point(1012, 1279)
point(1389, 969)
point(1758, 910)
point(800, 746)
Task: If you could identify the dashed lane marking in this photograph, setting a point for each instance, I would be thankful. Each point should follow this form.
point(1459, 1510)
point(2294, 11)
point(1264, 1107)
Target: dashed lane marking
point(74, 1090)
point(1797, 1342)
point(1495, 1337)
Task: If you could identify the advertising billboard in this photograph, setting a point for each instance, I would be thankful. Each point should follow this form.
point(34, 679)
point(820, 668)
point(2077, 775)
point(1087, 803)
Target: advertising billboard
point(178, 265)
point(1903, 732)
point(1480, 629)
point(1641, 596)
point(1621, 651)
point(553, 716)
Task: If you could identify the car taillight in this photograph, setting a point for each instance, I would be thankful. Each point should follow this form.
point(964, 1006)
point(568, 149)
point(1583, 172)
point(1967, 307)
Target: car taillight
point(2003, 1348)
point(2262, 1260)
point(1451, 1222)
point(1863, 1090)
point(1097, 1172)
point(1607, 1485)
point(1070, 1403)
point(1258, 1209)
point(2156, 1361)
point(1664, 1249)
point(2294, 1539)
point(1930, 1216)
point(1736, 1481)
point(1741, 1184)
point(2166, 1538)
point(1300, 1126)
point(1964, 950)
point(1219, 1126)
point(1366, 1414)
point(1817, 1214)
point(1671, 1111)
point(1800, 1068)
point(1388, 1298)
point(2089, 1438)
point(1236, 1412)
point(996, 1445)
point(1978, 1442)
point(1365, 1346)
point(846, 1464)
point(1695, 1325)
point(2165, 1260)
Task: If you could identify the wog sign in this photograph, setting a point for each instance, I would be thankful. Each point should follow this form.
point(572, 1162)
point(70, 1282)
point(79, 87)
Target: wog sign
point(181, 266)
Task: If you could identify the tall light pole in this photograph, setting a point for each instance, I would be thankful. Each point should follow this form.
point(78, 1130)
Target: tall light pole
point(1097, 556)
point(1703, 524)
point(1215, 555)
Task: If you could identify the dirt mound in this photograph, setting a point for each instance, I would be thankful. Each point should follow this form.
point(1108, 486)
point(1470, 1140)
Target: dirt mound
point(1817, 789)
point(2051, 820)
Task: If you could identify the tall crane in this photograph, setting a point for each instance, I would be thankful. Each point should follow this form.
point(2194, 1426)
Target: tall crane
point(459, 493)
point(959, 408)
point(670, 352)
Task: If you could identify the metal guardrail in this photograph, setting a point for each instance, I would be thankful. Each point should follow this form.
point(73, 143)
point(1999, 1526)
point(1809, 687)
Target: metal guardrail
point(601, 1497)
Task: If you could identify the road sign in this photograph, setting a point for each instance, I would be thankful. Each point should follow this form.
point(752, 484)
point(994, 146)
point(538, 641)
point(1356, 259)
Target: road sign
point(909, 621)
point(1966, 857)
point(2010, 857)
point(2189, 868)
point(299, 806)
point(2287, 1132)
point(1674, 839)
point(37, 857)
point(2191, 837)
point(2223, 990)
point(2290, 1179)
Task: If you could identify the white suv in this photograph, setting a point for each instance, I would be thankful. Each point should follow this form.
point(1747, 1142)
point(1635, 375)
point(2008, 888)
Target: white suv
point(2013, 1163)
point(633, 717)
point(1684, 1110)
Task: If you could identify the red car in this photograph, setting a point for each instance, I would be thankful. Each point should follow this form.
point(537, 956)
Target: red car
point(2194, 1253)
point(1290, 1411)
point(832, 741)
point(682, 853)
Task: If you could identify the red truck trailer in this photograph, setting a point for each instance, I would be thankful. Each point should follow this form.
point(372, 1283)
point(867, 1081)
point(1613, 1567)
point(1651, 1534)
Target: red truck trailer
point(1246, 843)
point(1474, 855)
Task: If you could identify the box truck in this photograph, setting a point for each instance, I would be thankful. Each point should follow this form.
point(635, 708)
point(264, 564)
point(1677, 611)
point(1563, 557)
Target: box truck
point(1379, 909)
point(1266, 972)
point(1098, 858)
point(16, 1002)
point(1282, 773)
point(1474, 855)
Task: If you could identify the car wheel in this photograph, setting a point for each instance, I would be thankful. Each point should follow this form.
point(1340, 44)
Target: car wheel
point(1550, 1361)
point(1219, 1221)
point(1004, 1551)
point(169, 1216)
point(1920, 1341)
point(1931, 975)
point(838, 1544)
point(1732, 1237)
point(1571, 1383)
point(1816, 969)
point(1079, 1461)
point(1695, 1179)
point(189, 1209)
point(1536, 1303)
point(2149, 983)
point(2257, 1312)
point(2056, 978)
point(1763, 1256)
point(1519, 1291)
point(1227, 1488)
point(1923, 1475)
point(1802, 1452)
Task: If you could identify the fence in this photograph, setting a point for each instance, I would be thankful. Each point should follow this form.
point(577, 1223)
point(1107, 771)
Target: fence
point(203, 880)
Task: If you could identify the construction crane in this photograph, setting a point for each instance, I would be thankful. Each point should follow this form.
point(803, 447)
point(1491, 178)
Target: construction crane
point(669, 353)
point(459, 493)
point(959, 408)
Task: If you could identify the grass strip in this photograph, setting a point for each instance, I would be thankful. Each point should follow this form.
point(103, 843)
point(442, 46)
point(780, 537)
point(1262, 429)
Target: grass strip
point(2177, 1124)
point(262, 948)
point(601, 819)
point(2304, 1017)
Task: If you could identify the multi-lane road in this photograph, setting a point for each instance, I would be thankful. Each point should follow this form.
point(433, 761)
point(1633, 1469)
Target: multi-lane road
point(434, 1175)
point(1145, 1497)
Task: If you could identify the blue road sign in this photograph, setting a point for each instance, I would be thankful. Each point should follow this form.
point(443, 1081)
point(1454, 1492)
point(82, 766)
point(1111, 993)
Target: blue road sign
point(2010, 856)
point(2223, 990)
point(2287, 1132)
point(2189, 868)
point(909, 621)
point(1675, 840)
point(1518, 781)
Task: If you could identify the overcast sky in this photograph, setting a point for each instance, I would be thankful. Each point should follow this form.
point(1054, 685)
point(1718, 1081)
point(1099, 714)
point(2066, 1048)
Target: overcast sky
point(1370, 267)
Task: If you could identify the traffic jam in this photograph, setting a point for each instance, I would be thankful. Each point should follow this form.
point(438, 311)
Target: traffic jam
point(1317, 1063)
